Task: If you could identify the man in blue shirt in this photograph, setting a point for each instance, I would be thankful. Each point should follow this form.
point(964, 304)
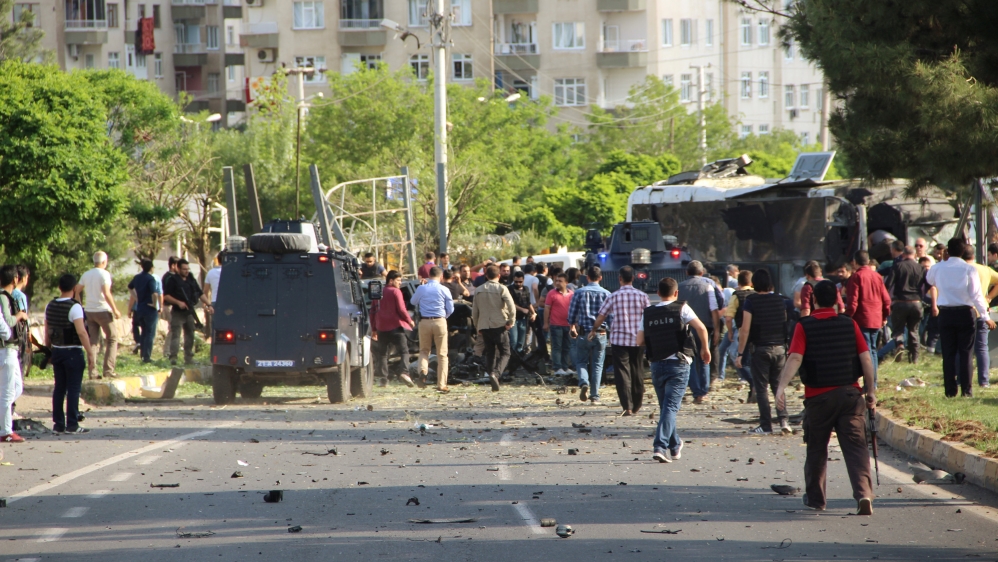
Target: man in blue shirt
point(144, 308)
point(434, 304)
point(589, 354)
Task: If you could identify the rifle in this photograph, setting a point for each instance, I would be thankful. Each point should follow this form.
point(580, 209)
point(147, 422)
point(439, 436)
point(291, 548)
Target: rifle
point(872, 425)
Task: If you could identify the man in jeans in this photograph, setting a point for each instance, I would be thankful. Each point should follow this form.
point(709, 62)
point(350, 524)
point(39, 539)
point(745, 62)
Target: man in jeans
point(626, 305)
point(589, 353)
point(867, 302)
point(144, 308)
point(705, 298)
point(524, 312)
point(989, 286)
point(556, 323)
point(101, 311)
point(493, 314)
point(66, 335)
point(183, 292)
point(733, 319)
point(665, 333)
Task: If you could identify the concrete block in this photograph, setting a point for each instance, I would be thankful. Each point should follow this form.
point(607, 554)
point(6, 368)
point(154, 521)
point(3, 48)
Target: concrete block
point(975, 467)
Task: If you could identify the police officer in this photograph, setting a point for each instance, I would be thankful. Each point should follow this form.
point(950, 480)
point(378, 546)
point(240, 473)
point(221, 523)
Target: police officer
point(733, 317)
point(665, 333)
point(764, 325)
point(706, 300)
point(834, 354)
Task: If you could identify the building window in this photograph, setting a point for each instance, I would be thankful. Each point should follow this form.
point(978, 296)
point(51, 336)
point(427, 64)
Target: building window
point(420, 66)
point(462, 11)
point(763, 130)
point(668, 80)
point(317, 64)
point(112, 16)
point(155, 16)
point(788, 50)
point(805, 138)
point(687, 32)
point(819, 99)
point(231, 71)
point(113, 60)
point(142, 11)
point(213, 79)
point(88, 60)
point(462, 67)
point(667, 32)
point(570, 91)
point(764, 84)
point(361, 14)
point(788, 96)
point(746, 32)
point(570, 35)
point(372, 61)
point(746, 131)
point(746, 85)
point(211, 32)
point(230, 35)
point(685, 87)
point(708, 38)
point(708, 94)
point(764, 32)
point(417, 13)
point(805, 96)
point(140, 61)
point(309, 15)
point(21, 9)
point(157, 65)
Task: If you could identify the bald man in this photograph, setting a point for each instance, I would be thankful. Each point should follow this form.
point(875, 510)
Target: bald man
point(101, 311)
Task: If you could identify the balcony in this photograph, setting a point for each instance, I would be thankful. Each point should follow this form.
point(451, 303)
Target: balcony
point(519, 56)
point(621, 5)
point(362, 33)
point(515, 6)
point(190, 54)
point(232, 9)
point(235, 59)
point(86, 32)
point(187, 9)
point(262, 35)
point(621, 53)
point(347, 25)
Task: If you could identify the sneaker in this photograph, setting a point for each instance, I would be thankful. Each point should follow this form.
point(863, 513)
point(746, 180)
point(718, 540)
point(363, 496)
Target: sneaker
point(78, 430)
point(760, 431)
point(11, 438)
point(407, 380)
point(864, 507)
point(785, 428)
point(595, 402)
point(751, 398)
point(58, 429)
point(495, 383)
point(421, 383)
point(626, 413)
point(584, 393)
point(660, 456)
point(806, 504)
point(699, 399)
point(678, 453)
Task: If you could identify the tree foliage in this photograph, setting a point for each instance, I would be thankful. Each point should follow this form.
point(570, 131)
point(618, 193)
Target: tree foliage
point(20, 39)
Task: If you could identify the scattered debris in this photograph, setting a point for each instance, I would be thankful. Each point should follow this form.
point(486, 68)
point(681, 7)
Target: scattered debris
point(254, 440)
point(621, 483)
point(564, 531)
point(493, 469)
point(742, 479)
point(236, 474)
point(193, 534)
point(273, 496)
point(3, 502)
point(242, 463)
point(164, 485)
point(326, 454)
point(784, 490)
point(432, 521)
point(370, 408)
point(295, 529)
point(785, 543)
point(936, 476)
point(548, 522)
point(585, 430)
point(913, 382)
point(412, 501)
point(385, 452)
point(663, 532)
point(573, 452)
point(899, 489)
point(362, 483)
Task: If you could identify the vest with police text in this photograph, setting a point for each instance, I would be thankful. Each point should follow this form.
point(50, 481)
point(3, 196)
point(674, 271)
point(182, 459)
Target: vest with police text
point(62, 332)
point(665, 334)
point(831, 357)
point(741, 294)
point(769, 319)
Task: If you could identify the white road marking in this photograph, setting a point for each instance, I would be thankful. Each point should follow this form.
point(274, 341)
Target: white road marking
point(121, 477)
point(113, 460)
point(147, 460)
point(98, 494)
point(928, 489)
point(76, 512)
point(529, 519)
point(504, 473)
point(51, 535)
point(506, 440)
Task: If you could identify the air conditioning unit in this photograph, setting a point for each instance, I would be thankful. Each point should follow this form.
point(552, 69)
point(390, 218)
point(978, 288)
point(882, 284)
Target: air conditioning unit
point(74, 50)
point(266, 55)
point(794, 114)
point(254, 3)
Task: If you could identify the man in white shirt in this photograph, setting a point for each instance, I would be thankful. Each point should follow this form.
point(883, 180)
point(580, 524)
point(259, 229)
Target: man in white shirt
point(101, 311)
point(66, 335)
point(210, 289)
point(960, 302)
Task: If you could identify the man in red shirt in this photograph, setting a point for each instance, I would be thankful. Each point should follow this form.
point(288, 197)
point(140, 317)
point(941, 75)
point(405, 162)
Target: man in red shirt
point(556, 323)
point(424, 270)
point(833, 351)
point(389, 323)
point(812, 274)
point(868, 302)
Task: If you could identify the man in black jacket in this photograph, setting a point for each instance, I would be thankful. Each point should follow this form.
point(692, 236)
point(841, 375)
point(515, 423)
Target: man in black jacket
point(183, 292)
point(903, 284)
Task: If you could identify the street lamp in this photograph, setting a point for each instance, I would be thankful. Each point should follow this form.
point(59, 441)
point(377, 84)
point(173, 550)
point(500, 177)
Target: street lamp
point(302, 104)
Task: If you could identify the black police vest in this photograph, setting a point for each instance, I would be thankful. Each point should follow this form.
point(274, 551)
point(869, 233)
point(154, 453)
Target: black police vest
point(741, 294)
point(831, 357)
point(769, 319)
point(665, 334)
point(11, 307)
point(62, 332)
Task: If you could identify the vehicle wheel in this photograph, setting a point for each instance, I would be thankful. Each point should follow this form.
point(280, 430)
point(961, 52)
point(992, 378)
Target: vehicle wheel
point(338, 382)
point(362, 381)
point(222, 384)
point(251, 390)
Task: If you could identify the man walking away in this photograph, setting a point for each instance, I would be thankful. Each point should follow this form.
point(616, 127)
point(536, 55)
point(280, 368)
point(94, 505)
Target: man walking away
point(424, 270)
point(589, 352)
point(665, 333)
point(556, 305)
point(930, 308)
point(764, 326)
point(702, 296)
point(989, 286)
point(524, 312)
point(867, 302)
point(101, 311)
point(11, 384)
point(164, 311)
point(144, 308)
point(834, 354)
point(390, 321)
point(626, 305)
point(904, 286)
point(493, 314)
point(960, 303)
point(733, 317)
point(183, 292)
point(435, 305)
point(66, 335)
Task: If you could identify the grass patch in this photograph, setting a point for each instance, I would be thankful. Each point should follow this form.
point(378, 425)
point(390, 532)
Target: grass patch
point(973, 421)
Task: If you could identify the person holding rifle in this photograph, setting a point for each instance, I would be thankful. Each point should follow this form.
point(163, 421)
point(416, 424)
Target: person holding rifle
point(183, 293)
point(833, 351)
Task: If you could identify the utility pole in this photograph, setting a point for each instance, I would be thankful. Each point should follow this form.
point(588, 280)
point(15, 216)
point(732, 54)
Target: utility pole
point(440, 22)
point(826, 102)
point(299, 74)
point(701, 106)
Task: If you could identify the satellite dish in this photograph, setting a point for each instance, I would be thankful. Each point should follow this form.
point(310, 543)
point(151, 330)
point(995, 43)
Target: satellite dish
point(811, 166)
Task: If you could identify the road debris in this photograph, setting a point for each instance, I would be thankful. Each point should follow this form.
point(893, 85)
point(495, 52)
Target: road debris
point(295, 529)
point(326, 454)
point(573, 452)
point(164, 485)
point(784, 490)
point(193, 534)
point(548, 522)
point(236, 474)
point(443, 521)
point(663, 532)
point(785, 543)
point(242, 463)
point(564, 531)
point(273, 496)
point(412, 501)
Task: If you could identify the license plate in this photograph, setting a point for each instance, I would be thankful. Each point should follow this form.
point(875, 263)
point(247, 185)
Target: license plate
point(285, 363)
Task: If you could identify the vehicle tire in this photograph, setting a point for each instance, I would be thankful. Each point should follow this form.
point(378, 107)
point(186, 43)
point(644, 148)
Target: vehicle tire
point(251, 390)
point(223, 384)
point(338, 382)
point(280, 243)
point(362, 381)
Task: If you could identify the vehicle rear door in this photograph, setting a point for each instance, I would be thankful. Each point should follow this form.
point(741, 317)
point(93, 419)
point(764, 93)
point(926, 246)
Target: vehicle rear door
point(261, 294)
point(292, 337)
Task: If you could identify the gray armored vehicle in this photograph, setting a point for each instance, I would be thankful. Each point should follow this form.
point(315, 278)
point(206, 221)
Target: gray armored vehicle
point(289, 314)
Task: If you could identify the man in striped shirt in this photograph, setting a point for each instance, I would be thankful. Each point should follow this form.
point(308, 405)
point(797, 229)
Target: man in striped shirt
point(627, 306)
point(589, 353)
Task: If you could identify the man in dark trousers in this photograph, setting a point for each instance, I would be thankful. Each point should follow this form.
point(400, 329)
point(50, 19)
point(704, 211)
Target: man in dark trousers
point(833, 351)
point(493, 313)
point(66, 335)
point(183, 292)
point(390, 321)
point(904, 285)
point(626, 305)
point(764, 325)
point(733, 317)
point(706, 300)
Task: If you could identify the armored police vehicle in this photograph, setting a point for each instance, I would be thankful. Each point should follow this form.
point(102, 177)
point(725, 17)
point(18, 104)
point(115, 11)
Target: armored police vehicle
point(289, 314)
point(641, 245)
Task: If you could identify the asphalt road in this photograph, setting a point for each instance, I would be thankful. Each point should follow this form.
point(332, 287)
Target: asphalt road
point(500, 460)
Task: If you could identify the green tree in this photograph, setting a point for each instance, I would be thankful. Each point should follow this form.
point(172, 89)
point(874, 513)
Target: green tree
point(137, 110)
point(20, 39)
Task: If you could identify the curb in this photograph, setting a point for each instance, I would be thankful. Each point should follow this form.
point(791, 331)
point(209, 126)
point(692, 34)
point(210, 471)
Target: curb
point(928, 447)
point(107, 391)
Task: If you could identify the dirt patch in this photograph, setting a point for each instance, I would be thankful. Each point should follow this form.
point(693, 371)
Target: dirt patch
point(918, 412)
